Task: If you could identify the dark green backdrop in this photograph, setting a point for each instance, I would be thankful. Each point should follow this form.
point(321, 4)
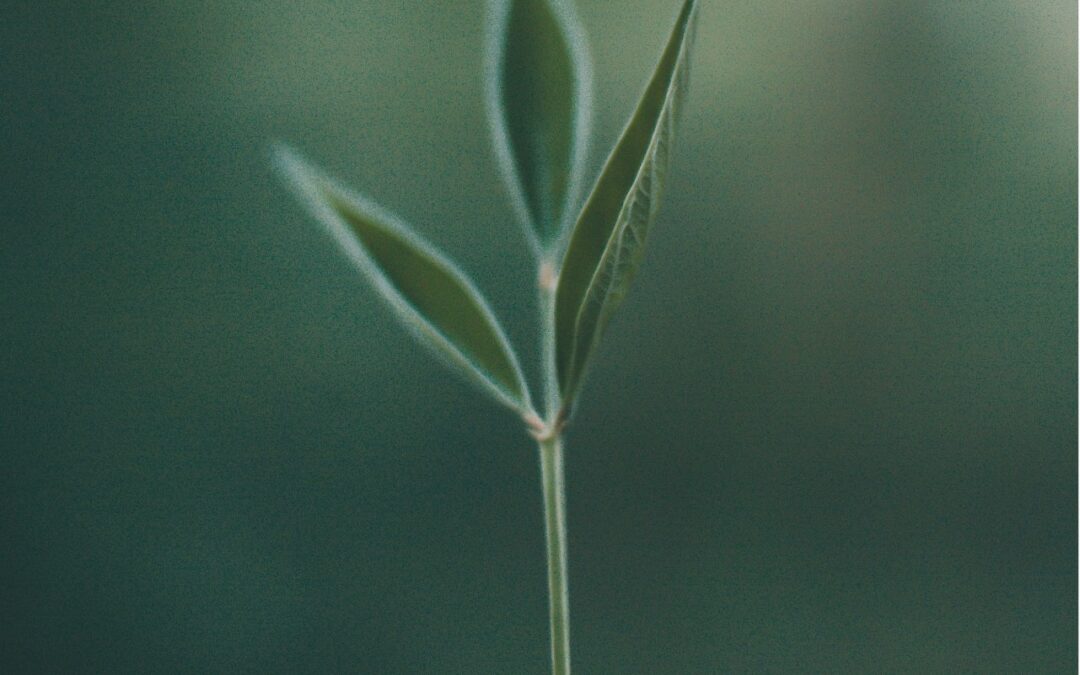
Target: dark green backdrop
point(832, 430)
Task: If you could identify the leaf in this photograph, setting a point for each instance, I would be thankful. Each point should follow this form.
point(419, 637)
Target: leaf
point(606, 246)
point(538, 95)
point(434, 300)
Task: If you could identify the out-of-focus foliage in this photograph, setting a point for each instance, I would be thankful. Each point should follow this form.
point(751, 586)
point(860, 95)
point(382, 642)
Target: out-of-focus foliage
point(538, 79)
point(435, 301)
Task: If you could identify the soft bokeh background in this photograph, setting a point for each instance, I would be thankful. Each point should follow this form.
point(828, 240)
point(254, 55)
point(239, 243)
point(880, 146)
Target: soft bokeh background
point(833, 428)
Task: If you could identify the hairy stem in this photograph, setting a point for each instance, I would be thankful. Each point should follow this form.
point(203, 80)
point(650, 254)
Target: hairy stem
point(551, 469)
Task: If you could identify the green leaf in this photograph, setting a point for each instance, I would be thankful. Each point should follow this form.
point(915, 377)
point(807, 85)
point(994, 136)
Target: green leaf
point(608, 239)
point(435, 301)
point(538, 93)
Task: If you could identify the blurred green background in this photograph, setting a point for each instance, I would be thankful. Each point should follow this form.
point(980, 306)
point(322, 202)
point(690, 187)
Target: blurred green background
point(833, 428)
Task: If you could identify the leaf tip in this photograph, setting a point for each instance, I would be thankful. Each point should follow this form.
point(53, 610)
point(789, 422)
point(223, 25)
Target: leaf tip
point(291, 166)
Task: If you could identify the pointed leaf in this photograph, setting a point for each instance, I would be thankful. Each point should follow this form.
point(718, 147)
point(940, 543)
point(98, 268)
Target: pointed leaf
point(538, 89)
point(608, 240)
point(435, 300)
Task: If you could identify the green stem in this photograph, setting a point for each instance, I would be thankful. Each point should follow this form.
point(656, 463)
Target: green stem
point(551, 471)
point(551, 468)
point(547, 339)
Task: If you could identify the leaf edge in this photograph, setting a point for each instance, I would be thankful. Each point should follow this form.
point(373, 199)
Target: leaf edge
point(579, 367)
point(574, 35)
point(302, 177)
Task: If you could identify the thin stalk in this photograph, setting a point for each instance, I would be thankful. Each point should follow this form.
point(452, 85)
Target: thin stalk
point(549, 437)
point(551, 469)
point(547, 281)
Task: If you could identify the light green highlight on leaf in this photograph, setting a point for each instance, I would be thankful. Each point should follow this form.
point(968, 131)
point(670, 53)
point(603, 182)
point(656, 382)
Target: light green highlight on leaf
point(433, 298)
point(608, 240)
point(539, 90)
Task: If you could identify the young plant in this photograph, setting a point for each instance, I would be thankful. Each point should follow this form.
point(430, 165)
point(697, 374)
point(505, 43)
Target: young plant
point(538, 92)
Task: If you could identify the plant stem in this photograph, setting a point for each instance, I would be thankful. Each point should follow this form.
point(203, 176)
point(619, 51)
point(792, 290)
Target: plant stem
point(551, 468)
point(551, 472)
point(547, 282)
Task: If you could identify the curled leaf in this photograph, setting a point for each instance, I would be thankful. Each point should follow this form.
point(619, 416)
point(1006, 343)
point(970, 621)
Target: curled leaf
point(432, 297)
point(538, 95)
point(608, 239)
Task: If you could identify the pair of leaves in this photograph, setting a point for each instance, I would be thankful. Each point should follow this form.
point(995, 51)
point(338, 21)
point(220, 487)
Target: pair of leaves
point(539, 88)
point(538, 101)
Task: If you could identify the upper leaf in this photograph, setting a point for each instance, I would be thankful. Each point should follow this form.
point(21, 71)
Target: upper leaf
point(538, 90)
point(434, 300)
point(606, 246)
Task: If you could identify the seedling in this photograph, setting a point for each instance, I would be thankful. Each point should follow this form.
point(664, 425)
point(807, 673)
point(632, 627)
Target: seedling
point(538, 83)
